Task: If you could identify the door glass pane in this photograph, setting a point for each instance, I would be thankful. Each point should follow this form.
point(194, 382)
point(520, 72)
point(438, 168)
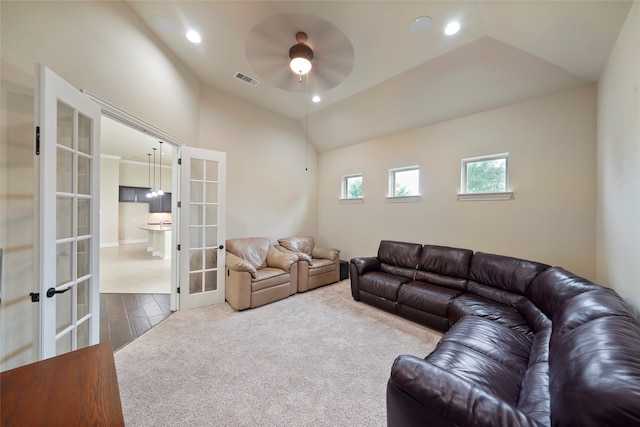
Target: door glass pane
point(63, 263)
point(84, 175)
point(63, 344)
point(195, 283)
point(195, 237)
point(211, 258)
point(64, 217)
point(196, 192)
point(212, 192)
point(84, 134)
point(84, 216)
point(63, 310)
point(195, 260)
point(212, 171)
point(197, 171)
point(83, 257)
point(65, 125)
point(83, 298)
point(83, 334)
point(211, 236)
point(64, 171)
point(211, 280)
point(195, 211)
point(211, 214)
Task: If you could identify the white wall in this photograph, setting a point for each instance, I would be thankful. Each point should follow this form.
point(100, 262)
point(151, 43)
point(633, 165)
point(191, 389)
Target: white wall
point(618, 213)
point(269, 192)
point(109, 192)
point(551, 141)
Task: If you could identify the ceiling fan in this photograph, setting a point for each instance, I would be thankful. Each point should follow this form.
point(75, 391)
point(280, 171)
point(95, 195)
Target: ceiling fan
point(327, 49)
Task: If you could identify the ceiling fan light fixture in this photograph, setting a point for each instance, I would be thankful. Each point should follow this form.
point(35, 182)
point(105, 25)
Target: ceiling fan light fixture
point(300, 55)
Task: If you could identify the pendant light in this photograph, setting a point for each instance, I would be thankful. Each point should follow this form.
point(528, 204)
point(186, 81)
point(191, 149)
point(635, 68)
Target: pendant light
point(154, 193)
point(149, 192)
point(160, 192)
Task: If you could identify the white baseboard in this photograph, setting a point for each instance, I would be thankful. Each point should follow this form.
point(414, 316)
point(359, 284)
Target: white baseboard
point(108, 244)
point(130, 241)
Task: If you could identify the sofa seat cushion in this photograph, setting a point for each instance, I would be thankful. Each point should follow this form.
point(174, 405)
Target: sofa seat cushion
point(488, 354)
point(470, 304)
point(320, 266)
point(426, 297)
point(382, 284)
point(268, 277)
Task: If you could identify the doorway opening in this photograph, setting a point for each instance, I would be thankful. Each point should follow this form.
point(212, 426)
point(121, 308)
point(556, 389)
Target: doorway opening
point(136, 229)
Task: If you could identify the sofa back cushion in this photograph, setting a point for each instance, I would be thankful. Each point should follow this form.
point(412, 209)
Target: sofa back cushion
point(503, 272)
point(298, 244)
point(553, 287)
point(399, 258)
point(444, 266)
point(594, 377)
point(252, 249)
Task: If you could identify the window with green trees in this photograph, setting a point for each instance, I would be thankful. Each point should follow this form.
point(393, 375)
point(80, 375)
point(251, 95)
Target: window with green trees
point(404, 182)
point(352, 187)
point(486, 174)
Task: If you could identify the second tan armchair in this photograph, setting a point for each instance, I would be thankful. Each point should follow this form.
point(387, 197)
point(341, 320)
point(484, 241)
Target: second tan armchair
point(317, 266)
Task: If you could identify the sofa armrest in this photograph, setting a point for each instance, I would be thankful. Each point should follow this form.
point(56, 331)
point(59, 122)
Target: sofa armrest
point(234, 262)
point(324, 253)
point(279, 259)
point(419, 390)
point(238, 289)
point(365, 264)
point(301, 255)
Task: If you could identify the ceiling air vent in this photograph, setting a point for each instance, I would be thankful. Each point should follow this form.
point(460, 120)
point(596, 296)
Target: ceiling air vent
point(247, 79)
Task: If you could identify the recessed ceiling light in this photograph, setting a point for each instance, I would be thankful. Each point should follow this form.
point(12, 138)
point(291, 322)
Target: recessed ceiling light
point(193, 36)
point(420, 25)
point(316, 98)
point(452, 28)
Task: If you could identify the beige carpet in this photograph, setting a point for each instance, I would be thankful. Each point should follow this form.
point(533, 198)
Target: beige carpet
point(317, 358)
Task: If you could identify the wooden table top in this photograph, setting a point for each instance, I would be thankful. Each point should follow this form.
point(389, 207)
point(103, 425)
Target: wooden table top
point(79, 388)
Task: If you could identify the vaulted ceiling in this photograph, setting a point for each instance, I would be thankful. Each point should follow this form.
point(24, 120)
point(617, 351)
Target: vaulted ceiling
point(375, 77)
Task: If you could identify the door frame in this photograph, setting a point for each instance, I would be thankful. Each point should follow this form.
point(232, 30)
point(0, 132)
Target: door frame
point(127, 119)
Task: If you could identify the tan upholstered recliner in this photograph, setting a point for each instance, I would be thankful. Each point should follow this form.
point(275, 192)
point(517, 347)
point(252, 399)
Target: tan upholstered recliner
point(257, 273)
point(317, 266)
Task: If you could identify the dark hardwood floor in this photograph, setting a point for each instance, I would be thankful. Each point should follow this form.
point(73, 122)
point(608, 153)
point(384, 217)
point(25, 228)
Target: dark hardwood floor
point(124, 317)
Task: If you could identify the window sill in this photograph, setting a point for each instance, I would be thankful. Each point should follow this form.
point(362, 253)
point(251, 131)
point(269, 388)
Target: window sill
point(404, 199)
point(350, 201)
point(465, 197)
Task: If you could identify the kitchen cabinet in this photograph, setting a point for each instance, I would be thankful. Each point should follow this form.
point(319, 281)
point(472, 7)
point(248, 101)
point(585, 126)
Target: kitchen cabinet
point(160, 203)
point(133, 194)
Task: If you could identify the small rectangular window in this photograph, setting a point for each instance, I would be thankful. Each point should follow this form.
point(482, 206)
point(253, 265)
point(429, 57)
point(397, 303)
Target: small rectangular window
point(352, 187)
point(404, 182)
point(486, 175)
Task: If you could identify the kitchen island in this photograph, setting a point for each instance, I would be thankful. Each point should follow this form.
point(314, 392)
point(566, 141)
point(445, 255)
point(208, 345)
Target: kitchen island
point(159, 239)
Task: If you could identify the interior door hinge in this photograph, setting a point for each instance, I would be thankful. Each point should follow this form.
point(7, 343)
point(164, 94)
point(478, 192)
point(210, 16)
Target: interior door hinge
point(179, 204)
point(180, 161)
point(178, 289)
point(35, 296)
point(178, 247)
point(37, 140)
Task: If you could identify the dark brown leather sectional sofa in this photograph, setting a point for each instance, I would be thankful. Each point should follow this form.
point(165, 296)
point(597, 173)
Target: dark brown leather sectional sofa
point(525, 344)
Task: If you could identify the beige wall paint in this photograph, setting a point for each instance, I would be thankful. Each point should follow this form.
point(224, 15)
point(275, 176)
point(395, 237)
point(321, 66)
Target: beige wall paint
point(101, 47)
point(269, 192)
point(618, 206)
point(551, 141)
point(109, 178)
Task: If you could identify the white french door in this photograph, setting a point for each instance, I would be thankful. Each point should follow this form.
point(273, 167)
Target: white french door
point(69, 129)
point(202, 227)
